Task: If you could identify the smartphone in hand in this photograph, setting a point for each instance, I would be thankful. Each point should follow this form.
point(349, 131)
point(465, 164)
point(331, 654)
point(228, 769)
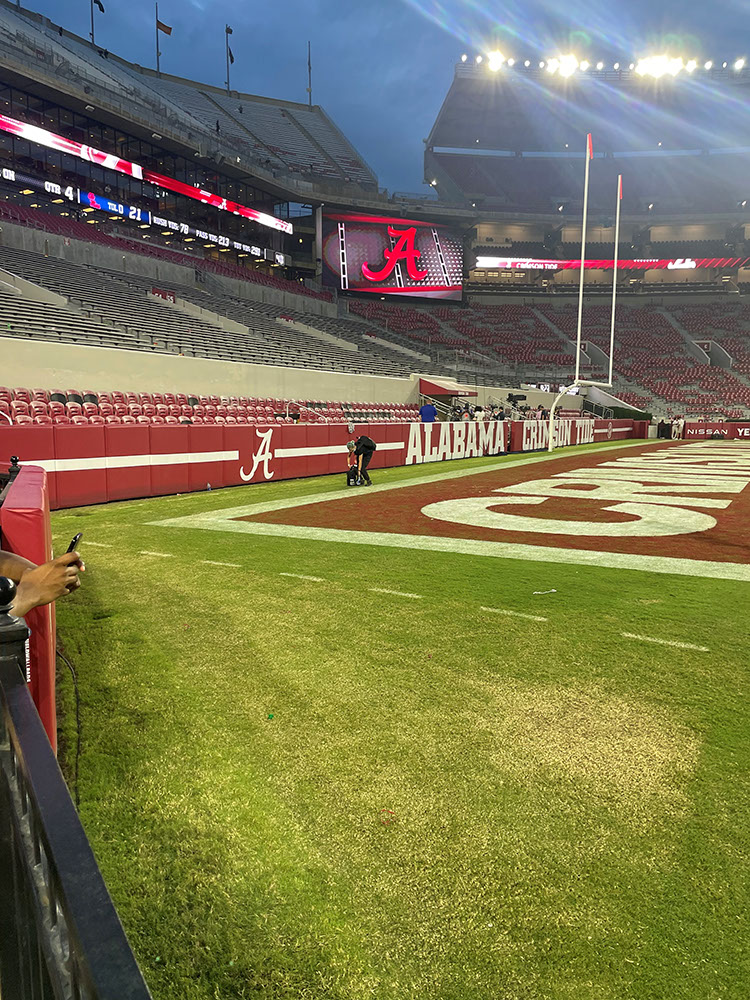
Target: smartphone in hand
point(74, 544)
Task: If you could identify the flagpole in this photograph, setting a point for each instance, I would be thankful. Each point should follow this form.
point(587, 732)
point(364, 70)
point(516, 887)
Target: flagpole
point(226, 43)
point(614, 281)
point(589, 154)
point(92, 23)
point(156, 30)
point(309, 77)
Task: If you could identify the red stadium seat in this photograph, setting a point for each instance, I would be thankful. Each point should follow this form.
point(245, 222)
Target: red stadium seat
point(24, 418)
point(60, 418)
point(42, 418)
point(112, 419)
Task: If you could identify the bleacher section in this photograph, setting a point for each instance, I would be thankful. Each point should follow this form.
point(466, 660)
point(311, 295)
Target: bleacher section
point(280, 136)
point(70, 229)
point(76, 406)
point(116, 310)
point(657, 363)
point(655, 368)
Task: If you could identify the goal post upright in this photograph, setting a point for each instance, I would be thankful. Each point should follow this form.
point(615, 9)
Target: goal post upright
point(614, 279)
point(589, 158)
point(579, 382)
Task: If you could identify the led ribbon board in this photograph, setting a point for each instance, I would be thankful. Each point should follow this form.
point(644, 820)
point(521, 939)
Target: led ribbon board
point(135, 214)
point(110, 161)
point(643, 264)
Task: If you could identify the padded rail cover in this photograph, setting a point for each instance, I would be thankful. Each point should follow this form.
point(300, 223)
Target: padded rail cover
point(25, 524)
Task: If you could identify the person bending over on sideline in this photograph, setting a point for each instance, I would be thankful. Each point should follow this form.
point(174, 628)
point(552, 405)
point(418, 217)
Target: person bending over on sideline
point(38, 585)
point(361, 451)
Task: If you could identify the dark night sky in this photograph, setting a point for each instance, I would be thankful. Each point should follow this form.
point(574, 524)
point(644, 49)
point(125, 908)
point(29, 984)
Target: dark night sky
point(381, 69)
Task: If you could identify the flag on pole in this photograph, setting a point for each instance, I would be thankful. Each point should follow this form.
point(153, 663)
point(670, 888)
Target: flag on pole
point(161, 26)
point(228, 30)
point(231, 54)
point(590, 146)
point(619, 187)
point(100, 5)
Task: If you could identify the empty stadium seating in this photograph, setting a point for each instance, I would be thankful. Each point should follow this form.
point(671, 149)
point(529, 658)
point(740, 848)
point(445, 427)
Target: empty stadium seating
point(75, 406)
point(285, 137)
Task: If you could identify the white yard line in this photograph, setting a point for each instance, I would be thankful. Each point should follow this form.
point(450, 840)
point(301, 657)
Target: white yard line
point(302, 576)
point(515, 614)
point(211, 562)
point(99, 545)
point(161, 555)
point(664, 642)
point(396, 593)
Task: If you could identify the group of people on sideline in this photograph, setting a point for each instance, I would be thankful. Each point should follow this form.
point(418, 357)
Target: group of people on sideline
point(428, 412)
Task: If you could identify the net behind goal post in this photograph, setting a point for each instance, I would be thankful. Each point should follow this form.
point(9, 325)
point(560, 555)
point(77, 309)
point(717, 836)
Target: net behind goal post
point(578, 381)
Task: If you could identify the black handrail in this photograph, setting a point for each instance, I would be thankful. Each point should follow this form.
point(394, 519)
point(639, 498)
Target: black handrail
point(60, 935)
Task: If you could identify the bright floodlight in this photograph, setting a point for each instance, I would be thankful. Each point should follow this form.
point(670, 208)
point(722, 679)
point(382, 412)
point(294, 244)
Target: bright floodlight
point(740, 64)
point(464, 57)
point(568, 65)
point(632, 66)
point(658, 66)
point(584, 65)
point(600, 65)
point(553, 65)
point(616, 66)
point(691, 65)
point(708, 65)
point(495, 60)
point(478, 59)
point(527, 63)
point(541, 64)
point(511, 62)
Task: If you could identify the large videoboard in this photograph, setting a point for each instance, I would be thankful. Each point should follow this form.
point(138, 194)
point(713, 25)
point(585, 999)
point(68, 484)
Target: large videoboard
point(391, 256)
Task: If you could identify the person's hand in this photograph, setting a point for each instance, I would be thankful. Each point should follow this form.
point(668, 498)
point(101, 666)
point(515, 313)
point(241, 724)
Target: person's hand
point(47, 582)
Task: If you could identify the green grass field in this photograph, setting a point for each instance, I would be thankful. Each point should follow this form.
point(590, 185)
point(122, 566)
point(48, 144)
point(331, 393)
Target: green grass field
point(568, 811)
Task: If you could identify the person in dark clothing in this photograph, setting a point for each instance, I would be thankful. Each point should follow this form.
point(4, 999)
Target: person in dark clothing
point(360, 452)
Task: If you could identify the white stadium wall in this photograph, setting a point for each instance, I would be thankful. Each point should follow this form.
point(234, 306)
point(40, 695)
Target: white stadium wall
point(28, 362)
point(48, 364)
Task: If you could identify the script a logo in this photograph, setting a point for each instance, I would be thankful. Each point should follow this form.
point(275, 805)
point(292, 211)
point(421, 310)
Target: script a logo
point(261, 457)
point(404, 249)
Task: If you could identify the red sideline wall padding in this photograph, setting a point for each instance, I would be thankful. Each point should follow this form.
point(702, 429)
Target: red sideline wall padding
point(732, 432)
point(25, 524)
point(95, 464)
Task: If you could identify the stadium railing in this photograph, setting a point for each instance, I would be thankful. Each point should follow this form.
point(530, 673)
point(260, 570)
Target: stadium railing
point(60, 935)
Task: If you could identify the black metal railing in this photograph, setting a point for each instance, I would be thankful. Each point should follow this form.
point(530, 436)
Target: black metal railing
point(60, 936)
